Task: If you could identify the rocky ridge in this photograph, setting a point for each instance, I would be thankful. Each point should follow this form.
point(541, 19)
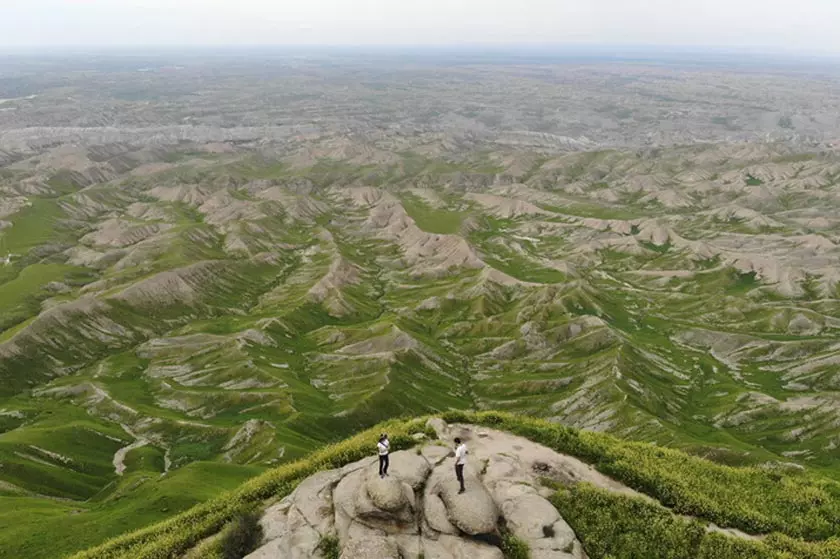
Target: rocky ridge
point(418, 512)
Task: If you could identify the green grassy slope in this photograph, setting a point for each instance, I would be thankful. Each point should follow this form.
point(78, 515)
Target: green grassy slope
point(34, 527)
point(246, 310)
point(608, 525)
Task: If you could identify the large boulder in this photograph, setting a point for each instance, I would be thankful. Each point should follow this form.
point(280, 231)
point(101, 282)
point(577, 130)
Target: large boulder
point(363, 540)
point(387, 504)
point(473, 512)
point(529, 515)
point(439, 426)
point(293, 527)
point(314, 499)
point(287, 550)
point(534, 520)
point(384, 504)
point(344, 501)
point(410, 545)
point(454, 547)
point(436, 515)
point(388, 494)
point(287, 534)
point(411, 467)
point(274, 520)
point(801, 325)
point(379, 547)
point(549, 548)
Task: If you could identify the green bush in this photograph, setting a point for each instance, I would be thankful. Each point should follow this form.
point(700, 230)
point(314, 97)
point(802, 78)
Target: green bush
point(207, 549)
point(829, 549)
point(616, 526)
point(330, 547)
point(513, 547)
point(242, 536)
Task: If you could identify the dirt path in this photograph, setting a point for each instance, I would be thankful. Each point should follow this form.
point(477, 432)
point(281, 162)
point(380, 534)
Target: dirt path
point(119, 456)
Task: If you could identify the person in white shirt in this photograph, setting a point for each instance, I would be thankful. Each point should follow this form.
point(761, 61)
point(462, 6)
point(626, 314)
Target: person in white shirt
point(460, 462)
point(384, 446)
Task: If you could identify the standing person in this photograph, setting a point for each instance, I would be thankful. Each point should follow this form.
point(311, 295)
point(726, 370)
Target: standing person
point(460, 462)
point(384, 446)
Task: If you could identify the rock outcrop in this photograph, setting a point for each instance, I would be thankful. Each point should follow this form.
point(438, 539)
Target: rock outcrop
point(417, 511)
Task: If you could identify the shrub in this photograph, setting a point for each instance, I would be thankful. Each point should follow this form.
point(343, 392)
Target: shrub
point(623, 527)
point(829, 549)
point(242, 536)
point(329, 547)
point(616, 526)
point(207, 549)
point(514, 547)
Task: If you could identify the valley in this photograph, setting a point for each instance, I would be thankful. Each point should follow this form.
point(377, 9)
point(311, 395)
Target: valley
point(185, 307)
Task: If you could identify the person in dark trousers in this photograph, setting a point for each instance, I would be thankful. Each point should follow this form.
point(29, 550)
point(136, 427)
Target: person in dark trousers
point(460, 462)
point(384, 446)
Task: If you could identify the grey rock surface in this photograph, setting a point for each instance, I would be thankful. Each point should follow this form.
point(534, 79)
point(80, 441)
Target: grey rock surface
point(418, 511)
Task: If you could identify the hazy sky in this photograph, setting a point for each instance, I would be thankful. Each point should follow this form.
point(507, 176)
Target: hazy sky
point(798, 25)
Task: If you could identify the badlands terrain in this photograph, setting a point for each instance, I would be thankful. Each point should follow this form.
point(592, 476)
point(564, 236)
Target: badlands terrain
point(210, 266)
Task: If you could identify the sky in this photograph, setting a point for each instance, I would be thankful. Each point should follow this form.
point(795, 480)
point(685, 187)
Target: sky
point(808, 26)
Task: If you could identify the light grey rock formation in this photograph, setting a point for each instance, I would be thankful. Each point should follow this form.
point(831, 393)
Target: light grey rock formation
point(436, 516)
point(439, 425)
point(418, 512)
point(473, 512)
point(294, 526)
point(454, 547)
point(364, 542)
point(411, 467)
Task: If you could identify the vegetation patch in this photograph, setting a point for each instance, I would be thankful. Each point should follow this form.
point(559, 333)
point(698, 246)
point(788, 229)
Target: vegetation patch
point(617, 526)
point(753, 181)
point(330, 547)
point(432, 220)
point(242, 536)
point(514, 547)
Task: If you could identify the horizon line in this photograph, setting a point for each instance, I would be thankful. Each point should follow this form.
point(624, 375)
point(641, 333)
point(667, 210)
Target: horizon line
point(759, 50)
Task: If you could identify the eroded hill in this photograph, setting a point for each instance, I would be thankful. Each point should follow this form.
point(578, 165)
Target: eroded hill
point(234, 306)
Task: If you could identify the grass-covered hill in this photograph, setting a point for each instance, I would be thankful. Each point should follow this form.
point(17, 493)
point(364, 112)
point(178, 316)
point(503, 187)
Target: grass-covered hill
point(778, 513)
point(174, 321)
